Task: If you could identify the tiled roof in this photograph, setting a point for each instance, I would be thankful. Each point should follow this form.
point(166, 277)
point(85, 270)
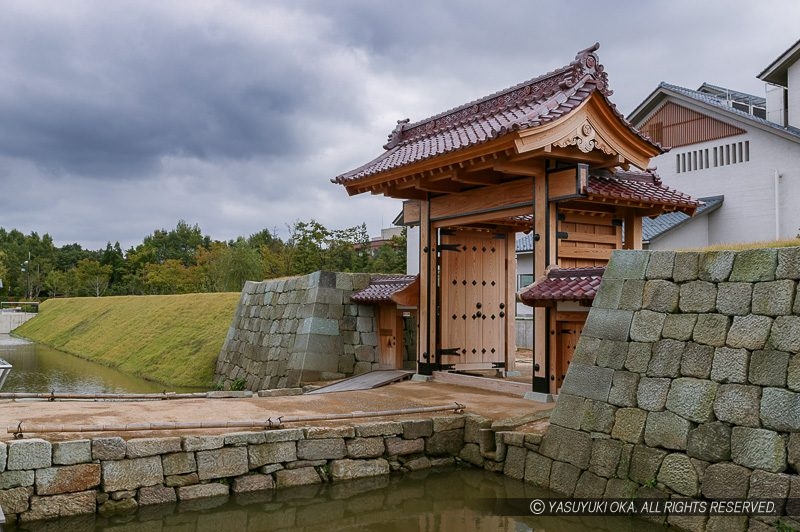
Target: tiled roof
point(382, 288)
point(563, 284)
point(638, 187)
point(723, 105)
point(527, 105)
point(525, 243)
point(655, 227)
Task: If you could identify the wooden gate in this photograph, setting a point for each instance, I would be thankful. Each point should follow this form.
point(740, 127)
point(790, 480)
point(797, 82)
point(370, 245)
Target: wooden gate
point(567, 335)
point(472, 315)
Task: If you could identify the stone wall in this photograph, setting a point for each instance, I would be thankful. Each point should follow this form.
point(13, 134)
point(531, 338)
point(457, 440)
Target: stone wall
point(43, 480)
point(298, 329)
point(11, 320)
point(685, 383)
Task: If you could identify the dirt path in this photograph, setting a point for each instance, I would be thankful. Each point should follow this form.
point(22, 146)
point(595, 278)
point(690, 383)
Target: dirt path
point(401, 395)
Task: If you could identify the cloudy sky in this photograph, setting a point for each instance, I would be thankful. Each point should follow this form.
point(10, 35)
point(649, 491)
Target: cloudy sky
point(121, 117)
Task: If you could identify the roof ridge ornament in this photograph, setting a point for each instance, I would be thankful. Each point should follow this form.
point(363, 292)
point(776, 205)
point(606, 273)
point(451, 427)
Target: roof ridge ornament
point(396, 136)
point(586, 62)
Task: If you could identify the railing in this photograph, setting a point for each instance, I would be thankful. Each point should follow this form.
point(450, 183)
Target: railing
point(5, 369)
point(19, 306)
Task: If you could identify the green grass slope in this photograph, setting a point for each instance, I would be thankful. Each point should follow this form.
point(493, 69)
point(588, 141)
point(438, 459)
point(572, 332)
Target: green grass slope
point(174, 340)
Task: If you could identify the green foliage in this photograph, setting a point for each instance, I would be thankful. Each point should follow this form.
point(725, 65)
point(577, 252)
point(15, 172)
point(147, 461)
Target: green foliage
point(238, 385)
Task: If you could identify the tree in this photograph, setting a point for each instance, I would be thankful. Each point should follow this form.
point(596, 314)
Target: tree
point(93, 276)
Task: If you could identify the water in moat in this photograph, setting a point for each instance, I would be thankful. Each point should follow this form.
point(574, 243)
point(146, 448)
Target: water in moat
point(445, 500)
point(38, 368)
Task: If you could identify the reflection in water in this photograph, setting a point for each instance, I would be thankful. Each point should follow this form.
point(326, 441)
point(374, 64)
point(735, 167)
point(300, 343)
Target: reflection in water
point(426, 501)
point(38, 368)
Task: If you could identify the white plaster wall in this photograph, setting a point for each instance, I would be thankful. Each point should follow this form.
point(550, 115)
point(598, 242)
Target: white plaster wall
point(692, 234)
point(793, 103)
point(776, 112)
point(412, 250)
point(524, 265)
point(748, 213)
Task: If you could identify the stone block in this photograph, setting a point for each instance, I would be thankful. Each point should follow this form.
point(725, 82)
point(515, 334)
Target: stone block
point(660, 265)
point(399, 447)
point(240, 439)
point(586, 350)
point(632, 294)
point(67, 479)
point(15, 479)
point(725, 481)
point(646, 326)
point(279, 435)
point(625, 460)
point(698, 296)
point(515, 462)
point(627, 264)
point(605, 457)
point(618, 488)
point(765, 485)
point(473, 424)
point(785, 334)
point(652, 393)
point(202, 443)
point(422, 428)
point(178, 463)
point(598, 416)
point(710, 442)
point(321, 449)
point(590, 485)
point(564, 478)
point(686, 267)
point(202, 491)
point(768, 368)
point(471, 453)
point(271, 453)
point(379, 428)
point(645, 462)
point(793, 453)
point(696, 360)
point(679, 475)
point(55, 506)
point(661, 296)
point(638, 358)
point(568, 411)
point(750, 332)
point(788, 263)
point(666, 359)
point(220, 463)
point(780, 410)
point(738, 404)
point(441, 423)
point(120, 475)
point(711, 329)
point(156, 495)
point(629, 425)
point(715, 266)
point(15, 500)
point(446, 442)
point(351, 469)
point(692, 399)
point(679, 326)
point(667, 430)
point(734, 299)
point(730, 365)
point(754, 265)
point(29, 454)
point(567, 445)
point(624, 385)
point(537, 469)
point(758, 449)
point(774, 298)
point(297, 477)
point(612, 354)
point(591, 382)
point(253, 482)
point(608, 324)
point(140, 447)
point(793, 373)
point(181, 480)
point(366, 447)
point(67, 452)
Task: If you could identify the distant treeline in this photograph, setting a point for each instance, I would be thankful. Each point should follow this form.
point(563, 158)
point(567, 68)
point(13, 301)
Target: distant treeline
point(184, 260)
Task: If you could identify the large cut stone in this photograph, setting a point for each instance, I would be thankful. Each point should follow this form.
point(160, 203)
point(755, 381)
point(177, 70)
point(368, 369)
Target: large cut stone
point(678, 474)
point(638, 358)
point(220, 463)
point(793, 373)
point(632, 294)
point(537, 469)
point(367, 447)
point(60, 506)
point(715, 266)
point(768, 368)
point(692, 399)
point(119, 475)
point(686, 267)
point(730, 365)
point(445, 442)
point(323, 449)
point(271, 453)
point(204, 443)
point(72, 452)
point(297, 477)
point(774, 298)
point(758, 449)
point(753, 265)
point(67, 479)
point(734, 299)
point(202, 491)
point(679, 326)
point(666, 359)
point(564, 478)
point(661, 296)
point(646, 326)
point(156, 495)
point(660, 265)
point(624, 385)
point(349, 469)
point(598, 416)
point(400, 447)
point(698, 296)
point(112, 448)
point(710, 442)
point(780, 409)
point(711, 329)
point(14, 479)
point(605, 457)
point(765, 485)
point(725, 481)
point(652, 393)
point(567, 445)
point(608, 294)
point(15, 500)
point(568, 411)
point(29, 454)
point(586, 350)
point(788, 263)
point(628, 264)
point(379, 428)
point(591, 382)
point(697, 360)
point(608, 324)
point(750, 332)
point(250, 483)
point(611, 354)
point(629, 425)
point(738, 404)
point(590, 485)
point(515, 462)
point(785, 334)
point(666, 429)
point(422, 428)
point(645, 462)
point(140, 447)
point(178, 463)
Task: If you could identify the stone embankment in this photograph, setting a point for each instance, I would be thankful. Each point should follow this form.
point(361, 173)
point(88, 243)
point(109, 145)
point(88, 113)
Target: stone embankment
point(47, 480)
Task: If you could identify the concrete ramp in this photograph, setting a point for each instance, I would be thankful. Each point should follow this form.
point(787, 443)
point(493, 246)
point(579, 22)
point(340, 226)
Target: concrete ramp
point(366, 381)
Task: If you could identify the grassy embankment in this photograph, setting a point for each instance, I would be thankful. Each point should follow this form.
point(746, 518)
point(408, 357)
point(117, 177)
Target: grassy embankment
point(174, 340)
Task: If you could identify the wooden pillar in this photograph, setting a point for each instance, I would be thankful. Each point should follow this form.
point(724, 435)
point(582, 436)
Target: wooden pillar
point(511, 302)
point(633, 230)
point(426, 339)
point(540, 258)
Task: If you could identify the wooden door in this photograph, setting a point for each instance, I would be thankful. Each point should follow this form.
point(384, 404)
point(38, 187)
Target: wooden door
point(390, 337)
point(567, 334)
point(473, 307)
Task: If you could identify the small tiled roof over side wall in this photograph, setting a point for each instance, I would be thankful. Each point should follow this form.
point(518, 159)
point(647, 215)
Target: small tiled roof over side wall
point(685, 383)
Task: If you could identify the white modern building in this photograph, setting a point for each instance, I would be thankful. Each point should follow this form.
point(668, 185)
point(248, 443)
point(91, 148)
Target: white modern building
point(727, 143)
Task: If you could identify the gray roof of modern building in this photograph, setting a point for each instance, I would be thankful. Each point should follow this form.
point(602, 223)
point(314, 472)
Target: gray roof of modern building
point(653, 228)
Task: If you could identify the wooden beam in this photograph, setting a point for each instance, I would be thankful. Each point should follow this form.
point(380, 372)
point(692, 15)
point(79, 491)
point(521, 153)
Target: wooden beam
point(517, 169)
point(511, 194)
point(445, 187)
point(586, 253)
point(491, 217)
point(482, 177)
